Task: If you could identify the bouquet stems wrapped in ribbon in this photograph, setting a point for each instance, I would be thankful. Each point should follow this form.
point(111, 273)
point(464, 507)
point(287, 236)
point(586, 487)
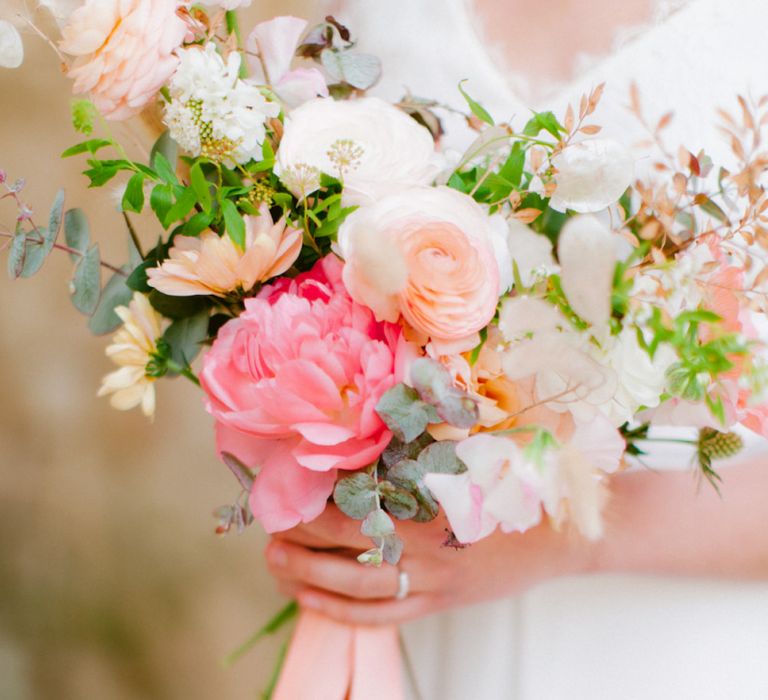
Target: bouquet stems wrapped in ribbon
point(388, 326)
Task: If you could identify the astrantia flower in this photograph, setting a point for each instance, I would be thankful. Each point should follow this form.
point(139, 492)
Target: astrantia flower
point(213, 112)
point(368, 143)
point(124, 51)
point(591, 175)
point(293, 383)
point(213, 264)
point(132, 348)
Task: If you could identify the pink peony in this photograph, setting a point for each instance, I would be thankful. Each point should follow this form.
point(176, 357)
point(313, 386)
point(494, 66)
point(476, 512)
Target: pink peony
point(124, 51)
point(293, 384)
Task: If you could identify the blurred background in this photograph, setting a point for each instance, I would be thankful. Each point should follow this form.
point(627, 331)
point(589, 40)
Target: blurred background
point(112, 582)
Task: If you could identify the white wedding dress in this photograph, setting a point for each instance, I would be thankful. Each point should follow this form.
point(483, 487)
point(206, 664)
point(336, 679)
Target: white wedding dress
point(598, 637)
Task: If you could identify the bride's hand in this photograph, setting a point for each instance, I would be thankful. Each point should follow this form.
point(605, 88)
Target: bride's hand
point(317, 564)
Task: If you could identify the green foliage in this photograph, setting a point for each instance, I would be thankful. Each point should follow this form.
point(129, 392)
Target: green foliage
point(86, 283)
point(404, 413)
point(133, 197)
point(355, 495)
point(17, 254)
point(233, 222)
point(91, 146)
point(115, 293)
point(435, 386)
point(76, 232)
point(276, 623)
point(177, 307)
point(476, 108)
point(186, 336)
point(634, 435)
point(166, 146)
point(544, 121)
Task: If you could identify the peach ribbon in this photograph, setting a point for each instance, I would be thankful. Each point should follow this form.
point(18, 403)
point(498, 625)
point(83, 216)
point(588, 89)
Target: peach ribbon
point(328, 660)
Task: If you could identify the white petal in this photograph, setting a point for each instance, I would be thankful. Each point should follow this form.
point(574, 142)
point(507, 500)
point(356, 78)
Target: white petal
point(591, 175)
point(588, 261)
point(522, 315)
point(11, 47)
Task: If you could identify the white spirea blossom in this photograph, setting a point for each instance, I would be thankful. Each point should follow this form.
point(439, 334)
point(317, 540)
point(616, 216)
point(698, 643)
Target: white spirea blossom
point(591, 175)
point(371, 145)
point(213, 112)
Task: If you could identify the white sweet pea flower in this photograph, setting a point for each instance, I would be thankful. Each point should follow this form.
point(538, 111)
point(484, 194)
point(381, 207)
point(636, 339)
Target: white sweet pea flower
point(271, 47)
point(500, 488)
point(588, 261)
point(372, 146)
point(11, 46)
point(591, 175)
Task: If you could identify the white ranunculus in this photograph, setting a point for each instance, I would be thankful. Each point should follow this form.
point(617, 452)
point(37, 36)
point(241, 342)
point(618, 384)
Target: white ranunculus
point(11, 46)
point(372, 146)
point(588, 261)
point(591, 175)
point(641, 381)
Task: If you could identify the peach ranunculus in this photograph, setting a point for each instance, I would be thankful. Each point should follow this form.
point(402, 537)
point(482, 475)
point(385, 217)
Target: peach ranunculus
point(124, 51)
point(293, 383)
point(432, 256)
point(213, 264)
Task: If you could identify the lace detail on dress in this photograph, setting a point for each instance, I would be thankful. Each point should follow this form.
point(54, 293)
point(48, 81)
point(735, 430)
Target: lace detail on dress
point(536, 89)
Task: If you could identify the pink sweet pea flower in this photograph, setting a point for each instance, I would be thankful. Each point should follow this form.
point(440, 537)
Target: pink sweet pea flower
point(272, 46)
point(293, 383)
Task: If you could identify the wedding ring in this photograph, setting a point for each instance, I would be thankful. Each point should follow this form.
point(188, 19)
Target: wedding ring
point(403, 585)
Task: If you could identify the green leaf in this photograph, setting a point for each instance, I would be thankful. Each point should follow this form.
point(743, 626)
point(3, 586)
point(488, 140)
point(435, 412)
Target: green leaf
point(711, 208)
point(543, 121)
point(434, 385)
point(186, 336)
point(359, 70)
point(164, 169)
point(166, 146)
point(477, 109)
point(91, 146)
point(115, 293)
point(196, 224)
point(409, 474)
point(512, 170)
point(54, 219)
point(356, 495)
point(161, 201)
point(404, 413)
point(185, 203)
point(273, 625)
point(392, 549)
point(76, 231)
point(86, 283)
point(133, 198)
point(202, 187)
point(17, 255)
point(233, 222)
point(377, 524)
point(176, 307)
point(397, 451)
point(399, 501)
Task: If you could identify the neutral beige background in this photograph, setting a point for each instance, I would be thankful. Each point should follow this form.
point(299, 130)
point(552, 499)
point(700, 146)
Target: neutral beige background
point(112, 583)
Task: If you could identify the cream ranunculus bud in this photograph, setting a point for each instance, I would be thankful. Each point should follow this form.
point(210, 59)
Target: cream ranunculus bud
point(588, 261)
point(372, 146)
point(591, 175)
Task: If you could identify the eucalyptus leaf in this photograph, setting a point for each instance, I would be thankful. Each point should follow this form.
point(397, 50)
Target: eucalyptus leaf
point(397, 451)
point(115, 293)
point(356, 495)
point(440, 458)
point(359, 70)
point(55, 219)
point(76, 232)
point(185, 337)
point(399, 502)
point(17, 255)
point(86, 284)
point(377, 524)
point(404, 413)
point(392, 549)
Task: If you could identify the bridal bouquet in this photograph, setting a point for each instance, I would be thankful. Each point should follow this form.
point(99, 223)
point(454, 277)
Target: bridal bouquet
point(391, 325)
